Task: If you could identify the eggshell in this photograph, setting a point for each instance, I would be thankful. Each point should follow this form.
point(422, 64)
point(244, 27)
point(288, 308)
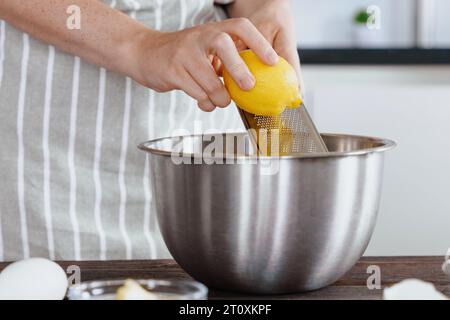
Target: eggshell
point(33, 279)
point(413, 289)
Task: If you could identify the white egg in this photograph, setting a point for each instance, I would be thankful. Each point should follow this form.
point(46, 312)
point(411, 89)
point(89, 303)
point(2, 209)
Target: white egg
point(413, 289)
point(33, 279)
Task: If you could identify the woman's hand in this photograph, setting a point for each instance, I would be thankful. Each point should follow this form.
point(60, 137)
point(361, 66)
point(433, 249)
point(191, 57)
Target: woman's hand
point(274, 19)
point(181, 60)
point(184, 60)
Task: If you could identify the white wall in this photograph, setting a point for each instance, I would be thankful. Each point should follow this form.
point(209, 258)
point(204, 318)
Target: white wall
point(410, 105)
point(328, 23)
point(442, 35)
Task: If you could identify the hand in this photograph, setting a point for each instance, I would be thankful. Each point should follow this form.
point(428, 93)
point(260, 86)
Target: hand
point(184, 60)
point(275, 21)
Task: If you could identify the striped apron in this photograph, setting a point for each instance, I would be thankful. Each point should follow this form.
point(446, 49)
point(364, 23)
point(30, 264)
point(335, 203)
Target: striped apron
point(73, 185)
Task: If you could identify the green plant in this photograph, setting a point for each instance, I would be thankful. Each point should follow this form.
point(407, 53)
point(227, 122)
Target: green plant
point(361, 17)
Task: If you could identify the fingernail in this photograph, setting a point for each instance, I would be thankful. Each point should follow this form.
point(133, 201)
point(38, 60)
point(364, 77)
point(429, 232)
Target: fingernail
point(247, 82)
point(272, 57)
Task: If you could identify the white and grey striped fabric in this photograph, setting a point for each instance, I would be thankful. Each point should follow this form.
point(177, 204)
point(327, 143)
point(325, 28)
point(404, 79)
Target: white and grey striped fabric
point(73, 184)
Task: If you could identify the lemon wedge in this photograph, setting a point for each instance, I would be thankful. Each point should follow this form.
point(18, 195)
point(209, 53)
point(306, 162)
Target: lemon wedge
point(131, 290)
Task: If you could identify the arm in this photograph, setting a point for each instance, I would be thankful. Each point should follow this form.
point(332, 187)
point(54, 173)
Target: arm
point(105, 38)
point(275, 20)
point(159, 60)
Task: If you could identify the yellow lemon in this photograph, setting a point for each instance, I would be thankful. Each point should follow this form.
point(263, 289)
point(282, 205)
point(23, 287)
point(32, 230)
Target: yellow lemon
point(276, 87)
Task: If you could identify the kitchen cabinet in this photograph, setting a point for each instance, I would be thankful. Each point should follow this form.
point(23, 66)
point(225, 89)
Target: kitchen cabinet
point(410, 105)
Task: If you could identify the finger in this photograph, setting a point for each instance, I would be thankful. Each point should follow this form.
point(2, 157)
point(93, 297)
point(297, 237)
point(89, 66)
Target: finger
point(301, 81)
point(217, 65)
point(190, 87)
point(205, 76)
point(283, 46)
point(206, 106)
point(252, 38)
point(236, 67)
point(240, 45)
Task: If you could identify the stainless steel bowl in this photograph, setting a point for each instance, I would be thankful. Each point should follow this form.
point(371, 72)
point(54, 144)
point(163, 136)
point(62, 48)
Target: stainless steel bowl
point(236, 227)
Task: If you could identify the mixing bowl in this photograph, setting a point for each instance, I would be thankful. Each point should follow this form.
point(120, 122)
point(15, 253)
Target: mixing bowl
point(280, 225)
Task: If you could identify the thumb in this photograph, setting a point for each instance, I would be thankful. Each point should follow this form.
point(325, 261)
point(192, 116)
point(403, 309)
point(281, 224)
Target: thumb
point(290, 53)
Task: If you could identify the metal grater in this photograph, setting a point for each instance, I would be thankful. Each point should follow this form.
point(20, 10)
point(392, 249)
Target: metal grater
point(290, 133)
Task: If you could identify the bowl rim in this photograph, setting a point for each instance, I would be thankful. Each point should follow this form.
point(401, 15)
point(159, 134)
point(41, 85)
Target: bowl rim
point(386, 144)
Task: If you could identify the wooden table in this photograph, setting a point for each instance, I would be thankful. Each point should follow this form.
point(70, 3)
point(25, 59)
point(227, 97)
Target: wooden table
point(351, 286)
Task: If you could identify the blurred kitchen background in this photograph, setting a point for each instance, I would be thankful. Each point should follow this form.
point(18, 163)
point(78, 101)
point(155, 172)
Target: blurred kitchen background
point(391, 80)
point(402, 23)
